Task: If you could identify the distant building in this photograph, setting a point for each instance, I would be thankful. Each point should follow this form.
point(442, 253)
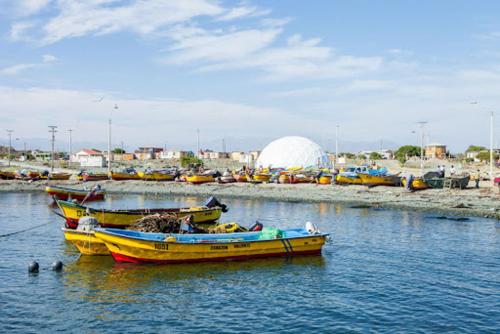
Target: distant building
point(123, 156)
point(170, 154)
point(435, 151)
point(42, 155)
point(147, 153)
point(89, 158)
point(386, 154)
point(236, 155)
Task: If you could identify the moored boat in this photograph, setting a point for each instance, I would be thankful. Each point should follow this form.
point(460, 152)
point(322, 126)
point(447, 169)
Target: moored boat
point(72, 212)
point(63, 193)
point(86, 242)
point(138, 247)
point(199, 179)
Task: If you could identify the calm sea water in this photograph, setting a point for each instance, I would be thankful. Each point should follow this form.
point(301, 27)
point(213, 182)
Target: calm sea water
point(384, 271)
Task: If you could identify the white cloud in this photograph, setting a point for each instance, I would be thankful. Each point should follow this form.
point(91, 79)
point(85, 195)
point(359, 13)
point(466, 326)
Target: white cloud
point(243, 11)
point(18, 68)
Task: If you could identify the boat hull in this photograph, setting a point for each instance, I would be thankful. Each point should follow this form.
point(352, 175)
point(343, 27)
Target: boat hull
point(259, 178)
point(341, 179)
point(199, 179)
point(124, 218)
point(240, 178)
point(66, 193)
point(416, 184)
point(125, 249)
point(86, 242)
point(124, 176)
point(155, 176)
point(325, 179)
point(379, 180)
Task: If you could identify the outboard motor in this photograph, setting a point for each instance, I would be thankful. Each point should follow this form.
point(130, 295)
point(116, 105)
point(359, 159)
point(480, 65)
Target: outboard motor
point(256, 227)
point(87, 224)
point(311, 228)
point(213, 202)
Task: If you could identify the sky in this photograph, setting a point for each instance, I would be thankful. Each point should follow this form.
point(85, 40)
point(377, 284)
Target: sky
point(249, 72)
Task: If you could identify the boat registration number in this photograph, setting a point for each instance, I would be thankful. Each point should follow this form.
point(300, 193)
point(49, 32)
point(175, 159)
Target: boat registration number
point(161, 246)
point(81, 213)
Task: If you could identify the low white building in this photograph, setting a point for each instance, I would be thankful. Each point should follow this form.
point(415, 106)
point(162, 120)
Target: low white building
point(169, 154)
point(89, 158)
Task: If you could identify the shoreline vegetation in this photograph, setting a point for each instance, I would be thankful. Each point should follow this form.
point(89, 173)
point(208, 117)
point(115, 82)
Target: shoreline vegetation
point(482, 202)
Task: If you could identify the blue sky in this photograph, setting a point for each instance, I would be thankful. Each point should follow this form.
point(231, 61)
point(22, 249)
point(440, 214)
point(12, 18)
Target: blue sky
point(250, 71)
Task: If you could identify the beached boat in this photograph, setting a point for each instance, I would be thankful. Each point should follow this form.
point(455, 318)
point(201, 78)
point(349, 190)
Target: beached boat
point(72, 212)
point(156, 176)
point(240, 177)
point(372, 180)
point(295, 178)
point(199, 179)
point(63, 193)
point(56, 176)
point(259, 178)
point(86, 242)
point(6, 175)
point(126, 175)
point(417, 183)
point(350, 175)
point(325, 179)
point(92, 176)
point(138, 247)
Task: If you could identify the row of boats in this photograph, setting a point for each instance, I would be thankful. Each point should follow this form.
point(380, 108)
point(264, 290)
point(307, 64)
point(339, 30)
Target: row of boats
point(98, 231)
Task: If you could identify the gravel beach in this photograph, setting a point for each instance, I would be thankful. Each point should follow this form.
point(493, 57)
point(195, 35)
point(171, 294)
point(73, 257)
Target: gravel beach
point(483, 202)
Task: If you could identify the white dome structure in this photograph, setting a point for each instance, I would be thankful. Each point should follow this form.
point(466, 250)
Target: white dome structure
point(292, 151)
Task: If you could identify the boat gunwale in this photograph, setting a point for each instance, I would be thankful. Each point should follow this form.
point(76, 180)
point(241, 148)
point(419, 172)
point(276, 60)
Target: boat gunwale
point(208, 242)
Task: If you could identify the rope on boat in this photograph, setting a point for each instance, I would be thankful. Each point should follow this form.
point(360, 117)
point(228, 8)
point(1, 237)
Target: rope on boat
point(25, 230)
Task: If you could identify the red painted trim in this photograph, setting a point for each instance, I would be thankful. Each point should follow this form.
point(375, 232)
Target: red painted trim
point(125, 258)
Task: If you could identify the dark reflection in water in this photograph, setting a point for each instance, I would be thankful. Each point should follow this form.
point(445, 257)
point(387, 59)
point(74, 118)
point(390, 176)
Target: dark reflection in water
point(397, 271)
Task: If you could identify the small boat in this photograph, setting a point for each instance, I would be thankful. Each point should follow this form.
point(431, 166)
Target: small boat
point(86, 176)
point(295, 178)
point(6, 175)
point(63, 193)
point(199, 179)
point(259, 178)
point(162, 248)
point(127, 174)
point(350, 175)
point(372, 180)
point(325, 179)
point(56, 176)
point(86, 242)
point(72, 212)
point(240, 177)
point(417, 183)
point(156, 176)
point(33, 174)
point(227, 178)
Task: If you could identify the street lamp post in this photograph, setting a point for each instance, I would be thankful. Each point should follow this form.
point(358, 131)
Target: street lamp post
point(9, 132)
point(198, 143)
point(422, 129)
point(70, 144)
point(53, 131)
point(491, 150)
point(109, 142)
point(335, 161)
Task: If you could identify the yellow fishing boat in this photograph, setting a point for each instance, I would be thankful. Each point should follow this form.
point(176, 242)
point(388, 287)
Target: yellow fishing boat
point(379, 180)
point(343, 179)
point(155, 176)
point(325, 179)
point(198, 179)
point(86, 242)
point(120, 176)
point(72, 212)
point(258, 178)
point(138, 247)
point(416, 184)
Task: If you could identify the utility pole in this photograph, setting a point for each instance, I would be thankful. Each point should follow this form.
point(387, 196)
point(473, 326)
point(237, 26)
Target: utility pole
point(53, 131)
point(422, 129)
point(9, 132)
point(223, 145)
point(70, 144)
point(336, 146)
point(109, 142)
point(198, 143)
point(491, 150)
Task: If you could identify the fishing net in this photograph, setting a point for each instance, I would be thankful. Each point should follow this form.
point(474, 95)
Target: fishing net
point(160, 223)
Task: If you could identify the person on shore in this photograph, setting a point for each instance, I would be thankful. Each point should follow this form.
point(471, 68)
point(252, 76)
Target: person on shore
point(452, 170)
point(477, 177)
point(441, 170)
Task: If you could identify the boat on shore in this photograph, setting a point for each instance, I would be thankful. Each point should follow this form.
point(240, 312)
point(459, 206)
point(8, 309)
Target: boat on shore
point(86, 176)
point(63, 193)
point(127, 174)
point(258, 177)
point(325, 179)
point(199, 178)
point(351, 175)
point(417, 183)
point(240, 177)
point(72, 212)
point(162, 248)
point(372, 180)
point(7, 175)
point(155, 176)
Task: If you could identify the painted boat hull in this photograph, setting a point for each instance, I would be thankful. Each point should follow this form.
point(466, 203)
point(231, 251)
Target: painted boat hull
point(199, 179)
point(155, 176)
point(93, 177)
point(325, 179)
point(379, 180)
point(341, 179)
point(86, 242)
point(259, 178)
point(66, 193)
point(127, 249)
point(240, 178)
point(417, 184)
point(124, 218)
point(7, 175)
point(124, 176)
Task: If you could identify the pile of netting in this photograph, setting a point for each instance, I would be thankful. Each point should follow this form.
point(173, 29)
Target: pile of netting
point(160, 223)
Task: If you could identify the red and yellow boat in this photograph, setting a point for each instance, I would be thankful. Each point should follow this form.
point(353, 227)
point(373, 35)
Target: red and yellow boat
point(199, 179)
point(240, 177)
point(72, 212)
point(63, 193)
point(6, 175)
point(259, 178)
point(121, 176)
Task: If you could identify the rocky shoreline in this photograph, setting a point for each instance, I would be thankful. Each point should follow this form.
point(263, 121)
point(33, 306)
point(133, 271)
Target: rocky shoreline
point(483, 202)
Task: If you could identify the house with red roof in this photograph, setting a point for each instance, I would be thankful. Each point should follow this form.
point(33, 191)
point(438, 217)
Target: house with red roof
point(89, 158)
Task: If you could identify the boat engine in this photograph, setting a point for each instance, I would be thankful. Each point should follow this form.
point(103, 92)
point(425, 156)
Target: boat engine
point(87, 224)
point(311, 228)
point(213, 202)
